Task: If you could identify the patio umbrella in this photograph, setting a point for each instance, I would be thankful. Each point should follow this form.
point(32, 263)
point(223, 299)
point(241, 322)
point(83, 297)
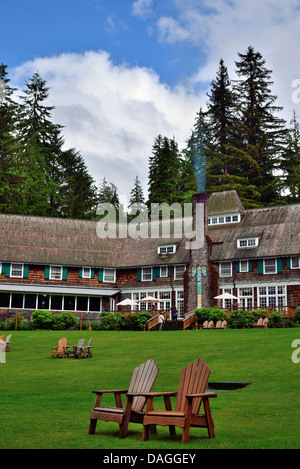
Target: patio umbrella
point(226, 296)
point(127, 302)
point(149, 299)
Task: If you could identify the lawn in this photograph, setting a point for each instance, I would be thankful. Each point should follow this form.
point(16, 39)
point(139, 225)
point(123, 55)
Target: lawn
point(45, 403)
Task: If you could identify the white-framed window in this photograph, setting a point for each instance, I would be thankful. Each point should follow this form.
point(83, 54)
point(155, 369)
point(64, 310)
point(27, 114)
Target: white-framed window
point(245, 296)
point(295, 262)
point(244, 266)
point(270, 266)
point(170, 249)
point(17, 270)
point(247, 243)
point(147, 274)
point(179, 271)
point(164, 271)
point(55, 272)
point(165, 300)
point(109, 275)
point(86, 272)
point(221, 219)
point(271, 296)
point(180, 303)
point(225, 269)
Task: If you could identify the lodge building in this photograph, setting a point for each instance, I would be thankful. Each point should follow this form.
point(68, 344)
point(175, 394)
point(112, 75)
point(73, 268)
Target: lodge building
point(62, 264)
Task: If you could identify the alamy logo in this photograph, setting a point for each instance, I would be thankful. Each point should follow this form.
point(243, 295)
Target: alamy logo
point(296, 93)
point(2, 91)
point(166, 221)
point(295, 357)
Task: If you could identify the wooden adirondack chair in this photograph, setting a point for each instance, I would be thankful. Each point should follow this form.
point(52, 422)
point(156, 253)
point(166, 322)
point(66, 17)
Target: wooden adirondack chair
point(142, 381)
point(71, 349)
point(191, 392)
point(221, 325)
point(60, 349)
point(85, 350)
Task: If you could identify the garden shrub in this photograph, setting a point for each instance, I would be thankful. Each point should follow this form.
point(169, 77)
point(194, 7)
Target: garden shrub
point(65, 320)
point(239, 319)
point(259, 313)
point(11, 323)
point(202, 314)
point(42, 319)
point(137, 320)
point(113, 321)
point(276, 319)
point(297, 315)
point(210, 314)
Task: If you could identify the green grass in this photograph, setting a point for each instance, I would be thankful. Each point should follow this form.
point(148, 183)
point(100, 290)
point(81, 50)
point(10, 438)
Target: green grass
point(45, 403)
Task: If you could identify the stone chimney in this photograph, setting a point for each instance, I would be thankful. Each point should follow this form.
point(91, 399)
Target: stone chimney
point(198, 276)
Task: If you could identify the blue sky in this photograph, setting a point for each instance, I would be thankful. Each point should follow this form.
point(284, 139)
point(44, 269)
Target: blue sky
point(123, 71)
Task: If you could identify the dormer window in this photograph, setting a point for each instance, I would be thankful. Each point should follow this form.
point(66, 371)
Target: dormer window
point(166, 250)
point(247, 243)
point(223, 219)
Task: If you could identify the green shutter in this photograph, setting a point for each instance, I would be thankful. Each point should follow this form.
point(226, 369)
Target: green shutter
point(279, 265)
point(169, 271)
point(100, 275)
point(47, 272)
point(139, 275)
point(80, 272)
point(6, 269)
point(260, 266)
point(250, 266)
point(237, 266)
point(155, 273)
point(25, 271)
point(65, 273)
point(288, 263)
point(92, 273)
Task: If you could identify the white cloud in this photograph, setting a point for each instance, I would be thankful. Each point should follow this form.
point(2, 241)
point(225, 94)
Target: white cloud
point(112, 113)
point(142, 8)
point(170, 31)
point(222, 28)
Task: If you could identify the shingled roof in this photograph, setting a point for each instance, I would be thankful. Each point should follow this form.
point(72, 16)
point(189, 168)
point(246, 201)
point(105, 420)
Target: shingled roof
point(278, 230)
point(221, 203)
point(43, 240)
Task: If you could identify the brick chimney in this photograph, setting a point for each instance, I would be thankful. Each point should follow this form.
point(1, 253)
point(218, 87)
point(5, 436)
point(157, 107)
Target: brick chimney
point(198, 276)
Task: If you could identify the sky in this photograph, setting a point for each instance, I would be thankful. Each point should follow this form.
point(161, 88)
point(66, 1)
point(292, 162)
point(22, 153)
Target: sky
point(122, 72)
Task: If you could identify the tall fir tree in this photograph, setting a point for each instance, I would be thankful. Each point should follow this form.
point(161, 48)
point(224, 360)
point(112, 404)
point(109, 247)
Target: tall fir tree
point(137, 193)
point(77, 190)
point(11, 169)
point(164, 165)
point(42, 143)
point(260, 131)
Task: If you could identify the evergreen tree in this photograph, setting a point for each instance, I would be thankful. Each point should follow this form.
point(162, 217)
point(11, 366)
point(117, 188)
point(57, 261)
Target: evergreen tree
point(136, 194)
point(78, 190)
point(11, 170)
point(108, 194)
point(163, 171)
point(42, 142)
point(259, 131)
